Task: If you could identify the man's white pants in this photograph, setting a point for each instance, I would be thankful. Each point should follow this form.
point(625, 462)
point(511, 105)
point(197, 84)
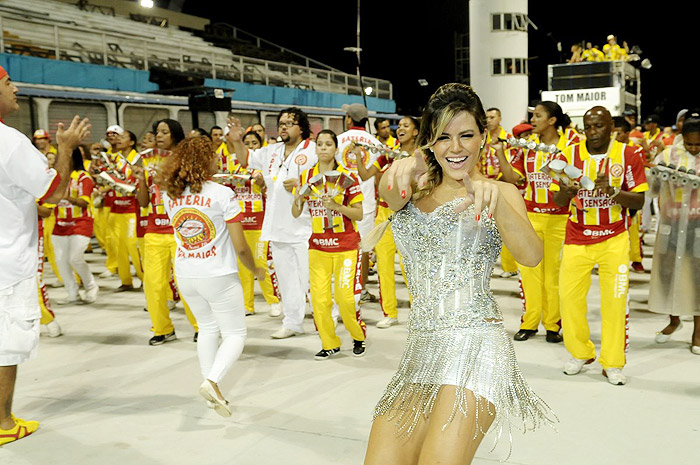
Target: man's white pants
point(19, 322)
point(291, 260)
point(70, 255)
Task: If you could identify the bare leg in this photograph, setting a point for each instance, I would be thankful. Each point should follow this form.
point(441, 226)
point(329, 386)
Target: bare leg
point(696, 331)
point(429, 444)
point(672, 325)
point(386, 447)
point(8, 375)
point(458, 442)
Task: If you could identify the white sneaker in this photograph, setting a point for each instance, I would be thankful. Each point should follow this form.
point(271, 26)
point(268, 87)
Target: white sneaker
point(106, 274)
point(171, 304)
point(69, 300)
point(275, 310)
point(284, 333)
point(662, 338)
point(56, 284)
point(574, 365)
point(91, 294)
point(387, 321)
point(508, 274)
point(53, 329)
point(695, 350)
point(615, 376)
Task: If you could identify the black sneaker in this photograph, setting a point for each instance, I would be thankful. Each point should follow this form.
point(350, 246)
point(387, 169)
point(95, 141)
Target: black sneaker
point(326, 354)
point(554, 337)
point(158, 340)
point(358, 349)
point(196, 336)
point(524, 334)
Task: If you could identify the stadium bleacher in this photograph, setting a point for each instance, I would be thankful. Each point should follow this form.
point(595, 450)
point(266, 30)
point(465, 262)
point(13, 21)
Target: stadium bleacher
point(51, 29)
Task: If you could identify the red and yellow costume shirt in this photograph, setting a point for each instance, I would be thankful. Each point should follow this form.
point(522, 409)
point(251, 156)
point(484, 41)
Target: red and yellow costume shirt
point(158, 220)
point(528, 163)
point(72, 219)
point(123, 202)
point(488, 164)
point(248, 193)
point(601, 217)
point(343, 236)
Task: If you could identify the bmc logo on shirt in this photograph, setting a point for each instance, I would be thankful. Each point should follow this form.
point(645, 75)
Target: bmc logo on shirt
point(595, 233)
point(332, 242)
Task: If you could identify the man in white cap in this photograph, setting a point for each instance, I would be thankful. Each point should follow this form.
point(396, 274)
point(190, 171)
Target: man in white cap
point(612, 51)
point(24, 177)
point(356, 118)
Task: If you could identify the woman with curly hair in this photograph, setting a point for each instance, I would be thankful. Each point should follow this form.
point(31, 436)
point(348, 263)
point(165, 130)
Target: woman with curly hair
point(206, 218)
point(458, 376)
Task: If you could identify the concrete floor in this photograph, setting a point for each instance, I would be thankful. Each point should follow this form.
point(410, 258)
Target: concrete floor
point(103, 396)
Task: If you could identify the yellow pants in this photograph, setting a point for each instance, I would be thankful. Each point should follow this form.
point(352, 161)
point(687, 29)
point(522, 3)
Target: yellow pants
point(158, 261)
point(541, 283)
point(47, 316)
point(124, 230)
point(507, 261)
point(635, 239)
point(612, 257)
point(108, 238)
point(344, 268)
point(385, 251)
point(49, 224)
point(259, 249)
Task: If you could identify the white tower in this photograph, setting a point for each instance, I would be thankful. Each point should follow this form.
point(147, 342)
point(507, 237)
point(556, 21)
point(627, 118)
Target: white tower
point(498, 65)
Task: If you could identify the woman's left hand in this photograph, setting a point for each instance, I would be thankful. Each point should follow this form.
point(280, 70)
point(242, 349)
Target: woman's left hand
point(480, 193)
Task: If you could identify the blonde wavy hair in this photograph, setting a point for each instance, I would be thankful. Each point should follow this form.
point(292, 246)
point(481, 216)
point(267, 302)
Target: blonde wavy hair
point(188, 165)
point(446, 103)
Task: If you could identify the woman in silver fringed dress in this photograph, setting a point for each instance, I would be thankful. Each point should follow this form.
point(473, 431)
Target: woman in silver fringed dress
point(458, 376)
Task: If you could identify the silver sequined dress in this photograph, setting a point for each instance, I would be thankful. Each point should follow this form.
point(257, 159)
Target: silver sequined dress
point(456, 334)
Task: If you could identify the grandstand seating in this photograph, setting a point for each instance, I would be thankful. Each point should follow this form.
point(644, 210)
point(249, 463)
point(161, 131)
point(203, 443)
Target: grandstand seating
point(51, 29)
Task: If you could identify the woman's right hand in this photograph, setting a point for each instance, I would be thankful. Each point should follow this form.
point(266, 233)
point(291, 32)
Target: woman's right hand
point(404, 173)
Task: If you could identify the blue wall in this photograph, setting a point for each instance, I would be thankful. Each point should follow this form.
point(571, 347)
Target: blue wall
point(70, 74)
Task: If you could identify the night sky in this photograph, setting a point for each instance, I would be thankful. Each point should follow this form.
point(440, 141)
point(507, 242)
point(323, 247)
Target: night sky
point(403, 43)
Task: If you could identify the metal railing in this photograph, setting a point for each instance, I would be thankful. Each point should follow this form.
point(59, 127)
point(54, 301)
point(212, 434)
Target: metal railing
point(41, 37)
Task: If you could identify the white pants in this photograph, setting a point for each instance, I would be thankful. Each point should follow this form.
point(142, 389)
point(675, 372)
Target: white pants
point(19, 322)
point(366, 224)
point(70, 255)
point(292, 268)
point(217, 304)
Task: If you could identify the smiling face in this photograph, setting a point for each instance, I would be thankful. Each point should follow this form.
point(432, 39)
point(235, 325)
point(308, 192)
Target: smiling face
point(325, 148)
point(457, 148)
point(406, 131)
point(8, 97)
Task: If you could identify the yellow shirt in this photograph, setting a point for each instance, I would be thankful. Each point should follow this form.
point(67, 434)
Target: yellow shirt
point(592, 54)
